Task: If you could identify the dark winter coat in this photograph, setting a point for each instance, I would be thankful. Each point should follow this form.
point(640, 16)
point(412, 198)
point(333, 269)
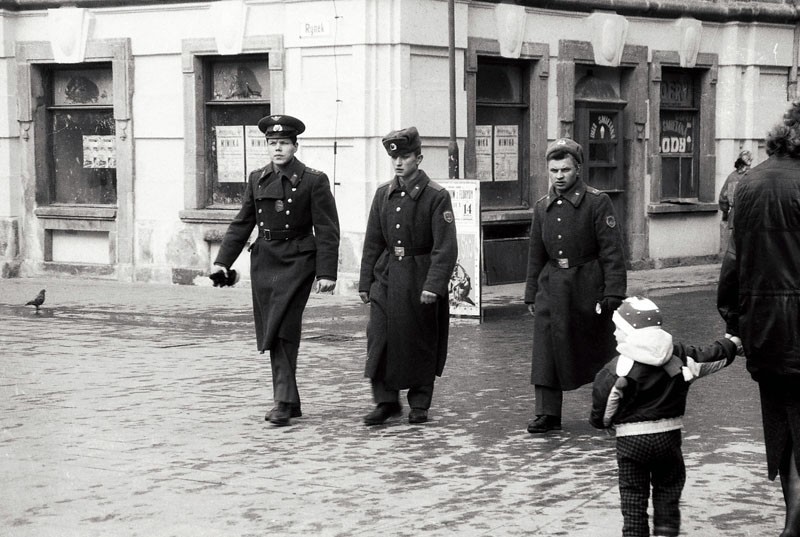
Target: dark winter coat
point(282, 271)
point(653, 394)
point(411, 336)
point(759, 288)
point(571, 342)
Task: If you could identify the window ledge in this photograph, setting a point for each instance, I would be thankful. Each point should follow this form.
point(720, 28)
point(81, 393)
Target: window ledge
point(694, 207)
point(76, 212)
point(208, 216)
point(499, 216)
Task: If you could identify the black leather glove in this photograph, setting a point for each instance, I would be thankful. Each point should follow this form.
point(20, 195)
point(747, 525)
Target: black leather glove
point(224, 278)
point(610, 303)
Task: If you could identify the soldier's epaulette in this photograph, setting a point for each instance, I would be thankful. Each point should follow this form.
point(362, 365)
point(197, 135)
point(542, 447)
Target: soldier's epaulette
point(436, 186)
point(542, 198)
point(315, 172)
point(592, 190)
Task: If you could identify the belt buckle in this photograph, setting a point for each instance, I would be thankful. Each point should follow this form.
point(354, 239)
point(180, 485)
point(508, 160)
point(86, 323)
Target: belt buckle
point(399, 251)
point(563, 262)
point(267, 234)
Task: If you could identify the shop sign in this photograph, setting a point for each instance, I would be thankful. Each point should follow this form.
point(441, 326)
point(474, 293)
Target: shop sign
point(676, 133)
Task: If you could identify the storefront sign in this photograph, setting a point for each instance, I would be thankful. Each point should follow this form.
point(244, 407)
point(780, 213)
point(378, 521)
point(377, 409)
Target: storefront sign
point(602, 127)
point(465, 283)
point(676, 133)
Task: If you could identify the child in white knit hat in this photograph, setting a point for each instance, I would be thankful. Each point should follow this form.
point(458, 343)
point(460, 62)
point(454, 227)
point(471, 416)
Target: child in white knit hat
point(642, 394)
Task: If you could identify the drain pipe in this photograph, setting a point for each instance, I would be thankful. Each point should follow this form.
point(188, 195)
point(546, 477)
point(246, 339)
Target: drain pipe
point(792, 88)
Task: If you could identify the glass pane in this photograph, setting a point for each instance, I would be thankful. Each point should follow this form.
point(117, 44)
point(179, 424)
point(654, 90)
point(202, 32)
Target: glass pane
point(602, 152)
point(240, 80)
point(670, 177)
point(223, 190)
point(84, 157)
point(602, 178)
point(688, 184)
point(82, 87)
point(676, 132)
point(499, 83)
point(677, 88)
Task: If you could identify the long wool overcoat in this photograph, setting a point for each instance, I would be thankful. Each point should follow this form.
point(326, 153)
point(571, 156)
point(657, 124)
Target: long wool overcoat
point(571, 341)
point(407, 340)
point(282, 271)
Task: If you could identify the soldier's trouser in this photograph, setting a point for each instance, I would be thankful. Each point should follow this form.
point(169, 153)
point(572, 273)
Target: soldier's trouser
point(644, 459)
point(283, 358)
point(548, 400)
point(418, 396)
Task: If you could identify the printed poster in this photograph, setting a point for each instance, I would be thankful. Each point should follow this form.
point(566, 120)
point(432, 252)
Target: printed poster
point(99, 151)
point(256, 155)
point(230, 154)
point(464, 291)
point(506, 151)
point(483, 152)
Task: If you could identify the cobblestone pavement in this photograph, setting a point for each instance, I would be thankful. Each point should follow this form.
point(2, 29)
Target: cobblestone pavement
point(138, 410)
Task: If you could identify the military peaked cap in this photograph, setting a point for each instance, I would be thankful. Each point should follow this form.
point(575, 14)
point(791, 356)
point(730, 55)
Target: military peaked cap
point(402, 141)
point(567, 145)
point(280, 126)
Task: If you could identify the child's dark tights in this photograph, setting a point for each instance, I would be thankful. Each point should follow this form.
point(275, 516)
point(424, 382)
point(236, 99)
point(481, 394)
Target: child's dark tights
point(644, 460)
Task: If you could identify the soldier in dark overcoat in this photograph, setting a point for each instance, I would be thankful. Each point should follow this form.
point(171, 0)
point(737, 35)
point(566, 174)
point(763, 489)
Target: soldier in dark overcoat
point(576, 279)
point(410, 251)
point(297, 245)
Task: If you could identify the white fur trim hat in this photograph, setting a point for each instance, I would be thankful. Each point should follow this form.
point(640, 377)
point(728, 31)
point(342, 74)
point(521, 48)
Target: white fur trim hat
point(636, 313)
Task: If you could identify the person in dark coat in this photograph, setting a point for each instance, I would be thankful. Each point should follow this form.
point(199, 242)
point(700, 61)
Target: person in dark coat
point(759, 298)
point(297, 248)
point(410, 251)
point(576, 279)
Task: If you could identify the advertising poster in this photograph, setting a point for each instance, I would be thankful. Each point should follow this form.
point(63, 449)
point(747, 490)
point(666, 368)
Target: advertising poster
point(99, 151)
point(506, 149)
point(464, 291)
point(483, 152)
point(256, 155)
point(230, 154)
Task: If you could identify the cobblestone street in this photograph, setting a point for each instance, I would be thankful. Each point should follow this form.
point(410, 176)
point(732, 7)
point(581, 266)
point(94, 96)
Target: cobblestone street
point(134, 410)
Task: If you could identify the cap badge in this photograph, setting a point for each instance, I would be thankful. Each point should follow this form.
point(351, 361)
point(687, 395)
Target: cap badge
point(561, 141)
point(393, 146)
point(276, 118)
point(277, 128)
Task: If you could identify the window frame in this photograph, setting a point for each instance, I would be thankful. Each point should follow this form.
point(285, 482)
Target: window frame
point(34, 59)
point(705, 76)
point(196, 54)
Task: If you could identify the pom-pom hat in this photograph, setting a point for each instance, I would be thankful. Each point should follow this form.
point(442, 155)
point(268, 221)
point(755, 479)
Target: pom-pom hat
point(637, 313)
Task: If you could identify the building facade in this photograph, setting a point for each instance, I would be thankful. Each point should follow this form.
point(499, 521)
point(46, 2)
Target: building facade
point(127, 128)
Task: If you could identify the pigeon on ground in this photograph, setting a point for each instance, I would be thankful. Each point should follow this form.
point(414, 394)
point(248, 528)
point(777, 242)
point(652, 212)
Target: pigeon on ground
point(38, 301)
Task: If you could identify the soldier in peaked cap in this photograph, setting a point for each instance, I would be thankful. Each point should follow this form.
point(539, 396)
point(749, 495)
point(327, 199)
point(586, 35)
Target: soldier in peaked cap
point(576, 279)
point(410, 251)
point(296, 248)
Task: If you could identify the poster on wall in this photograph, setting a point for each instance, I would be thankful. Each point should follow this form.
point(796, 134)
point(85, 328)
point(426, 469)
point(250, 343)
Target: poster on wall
point(230, 154)
point(256, 155)
point(99, 151)
point(506, 160)
point(483, 152)
point(464, 291)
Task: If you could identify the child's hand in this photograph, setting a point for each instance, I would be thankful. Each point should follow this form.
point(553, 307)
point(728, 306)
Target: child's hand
point(738, 342)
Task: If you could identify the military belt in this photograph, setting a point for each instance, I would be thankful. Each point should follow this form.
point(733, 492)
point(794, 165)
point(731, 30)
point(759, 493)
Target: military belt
point(405, 251)
point(281, 234)
point(568, 262)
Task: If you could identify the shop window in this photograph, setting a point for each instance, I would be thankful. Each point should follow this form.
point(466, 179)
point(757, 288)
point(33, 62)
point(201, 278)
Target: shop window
point(237, 97)
point(678, 145)
point(81, 140)
point(226, 97)
point(500, 130)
